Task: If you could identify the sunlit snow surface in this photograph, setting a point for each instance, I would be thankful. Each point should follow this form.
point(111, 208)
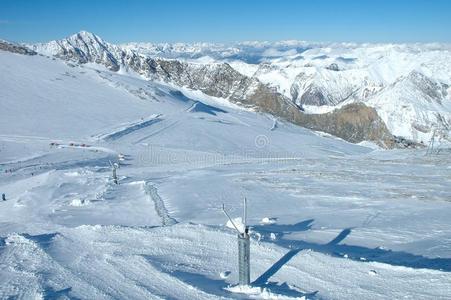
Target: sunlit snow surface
point(383, 76)
point(343, 221)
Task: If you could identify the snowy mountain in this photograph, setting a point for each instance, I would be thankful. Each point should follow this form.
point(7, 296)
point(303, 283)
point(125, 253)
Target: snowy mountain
point(328, 219)
point(218, 79)
point(83, 47)
point(413, 106)
point(320, 77)
point(214, 79)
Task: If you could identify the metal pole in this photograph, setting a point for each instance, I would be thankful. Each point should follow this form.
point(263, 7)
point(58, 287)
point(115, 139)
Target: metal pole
point(114, 175)
point(245, 213)
point(244, 249)
point(244, 269)
point(431, 144)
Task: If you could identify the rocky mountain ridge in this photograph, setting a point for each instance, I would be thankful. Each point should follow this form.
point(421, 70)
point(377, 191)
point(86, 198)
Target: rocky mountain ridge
point(220, 80)
point(15, 48)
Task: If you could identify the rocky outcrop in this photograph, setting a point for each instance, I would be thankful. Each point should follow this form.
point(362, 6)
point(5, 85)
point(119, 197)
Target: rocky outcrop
point(218, 80)
point(354, 122)
point(314, 96)
point(431, 90)
point(10, 47)
point(322, 87)
point(333, 67)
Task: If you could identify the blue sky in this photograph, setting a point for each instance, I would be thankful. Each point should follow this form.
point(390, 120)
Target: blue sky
point(228, 20)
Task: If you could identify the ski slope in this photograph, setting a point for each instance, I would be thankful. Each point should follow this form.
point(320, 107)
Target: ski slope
point(346, 221)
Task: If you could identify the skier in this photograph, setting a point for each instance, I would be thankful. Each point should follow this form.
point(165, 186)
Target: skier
point(3, 197)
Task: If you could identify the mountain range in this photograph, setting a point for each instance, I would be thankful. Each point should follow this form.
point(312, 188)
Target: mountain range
point(393, 95)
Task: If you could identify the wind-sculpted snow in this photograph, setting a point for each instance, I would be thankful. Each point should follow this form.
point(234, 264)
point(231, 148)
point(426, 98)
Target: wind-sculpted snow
point(131, 128)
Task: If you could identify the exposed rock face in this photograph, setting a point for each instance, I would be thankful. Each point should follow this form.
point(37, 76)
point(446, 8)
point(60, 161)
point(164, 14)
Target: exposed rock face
point(354, 123)
point(315, 88)
point(219, 80)
point(333, 67)
point(314, 96)
point(7, 46)
point(432, 90)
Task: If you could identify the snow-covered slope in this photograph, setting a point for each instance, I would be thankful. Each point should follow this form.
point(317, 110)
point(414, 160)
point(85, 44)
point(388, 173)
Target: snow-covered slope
point(73, 102)
point(332, 76)
point(322, 76)
point(214, 79)
point(50, 99)
point(218, 79)
point(319, 76)
point(345, 222)
point(414, 106)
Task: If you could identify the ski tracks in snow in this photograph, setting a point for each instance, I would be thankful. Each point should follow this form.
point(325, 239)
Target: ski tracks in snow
point(129, 128)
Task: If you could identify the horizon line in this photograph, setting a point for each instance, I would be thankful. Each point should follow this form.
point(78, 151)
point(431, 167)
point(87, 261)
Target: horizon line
point(245, 41)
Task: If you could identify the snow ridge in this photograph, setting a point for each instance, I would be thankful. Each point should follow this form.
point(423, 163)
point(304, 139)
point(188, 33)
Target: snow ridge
point(160, 207)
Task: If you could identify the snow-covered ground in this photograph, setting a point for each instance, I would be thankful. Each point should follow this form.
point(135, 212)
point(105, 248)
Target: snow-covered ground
point(329, 219)
point(408, 84)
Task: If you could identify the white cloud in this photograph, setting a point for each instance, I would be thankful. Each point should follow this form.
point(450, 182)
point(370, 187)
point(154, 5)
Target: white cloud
point(273, 52)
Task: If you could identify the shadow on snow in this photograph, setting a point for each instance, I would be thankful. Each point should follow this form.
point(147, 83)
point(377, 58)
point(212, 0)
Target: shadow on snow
point(334, 248)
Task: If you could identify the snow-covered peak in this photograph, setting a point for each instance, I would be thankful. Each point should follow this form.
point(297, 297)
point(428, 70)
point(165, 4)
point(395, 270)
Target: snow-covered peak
point(83, 47)
point(316, 74)
point(83, 34)
point(414, 106)
point(85, 39)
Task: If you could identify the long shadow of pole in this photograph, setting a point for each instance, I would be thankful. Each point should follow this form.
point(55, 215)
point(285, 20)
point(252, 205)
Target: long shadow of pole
point(276, 267)
point(290, 254)
point(396, 258)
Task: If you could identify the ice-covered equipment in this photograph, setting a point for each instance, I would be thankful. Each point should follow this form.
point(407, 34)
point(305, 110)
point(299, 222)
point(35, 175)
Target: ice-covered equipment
point(244, 269)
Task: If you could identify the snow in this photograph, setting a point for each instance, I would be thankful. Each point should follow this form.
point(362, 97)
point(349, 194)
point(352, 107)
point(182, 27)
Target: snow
point(236, 224)
point(259, 293)
point(78, 202)
point(322, 76)
point(267, 220)
point(370, 145)
point(367, 72)
point(329, 219)
point(413, 109)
